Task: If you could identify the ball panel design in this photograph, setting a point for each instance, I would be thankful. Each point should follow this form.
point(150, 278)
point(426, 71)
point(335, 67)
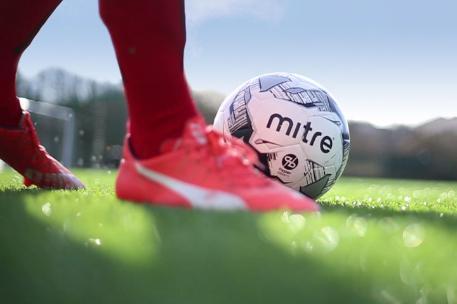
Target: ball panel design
point(296, 127)
point(287, 163)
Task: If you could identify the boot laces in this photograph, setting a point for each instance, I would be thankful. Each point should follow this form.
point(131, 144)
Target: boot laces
point(233, 158)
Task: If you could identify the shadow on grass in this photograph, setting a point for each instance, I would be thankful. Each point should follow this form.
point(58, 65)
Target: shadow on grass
point(201, 258)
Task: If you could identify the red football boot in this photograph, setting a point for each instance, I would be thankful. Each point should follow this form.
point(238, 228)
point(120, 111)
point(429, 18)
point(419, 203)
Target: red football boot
point(21, 150)
point(202, 170)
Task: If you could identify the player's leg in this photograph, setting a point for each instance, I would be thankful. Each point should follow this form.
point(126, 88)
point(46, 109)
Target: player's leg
point(149, 38)
point(20, 20)
point(170, 156)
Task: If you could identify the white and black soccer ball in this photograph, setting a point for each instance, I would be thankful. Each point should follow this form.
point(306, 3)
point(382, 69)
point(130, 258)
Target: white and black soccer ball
point(295, 125)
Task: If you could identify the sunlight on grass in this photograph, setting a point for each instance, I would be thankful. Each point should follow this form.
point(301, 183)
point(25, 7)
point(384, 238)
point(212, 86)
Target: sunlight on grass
point(122, 231)
point(375, 241)
point(403, 259)
point(94, 217)
point(398, 195)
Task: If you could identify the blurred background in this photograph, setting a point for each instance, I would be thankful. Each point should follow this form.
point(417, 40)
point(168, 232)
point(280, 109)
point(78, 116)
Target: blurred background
point(391, 65)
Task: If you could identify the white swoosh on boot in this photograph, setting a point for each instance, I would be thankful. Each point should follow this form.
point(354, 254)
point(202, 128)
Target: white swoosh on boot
point(198, 197)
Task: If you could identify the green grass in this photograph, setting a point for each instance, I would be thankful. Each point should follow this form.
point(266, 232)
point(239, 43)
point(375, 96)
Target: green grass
point(375, 241)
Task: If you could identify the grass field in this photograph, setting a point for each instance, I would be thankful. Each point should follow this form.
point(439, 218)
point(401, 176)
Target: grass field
point(375, 241)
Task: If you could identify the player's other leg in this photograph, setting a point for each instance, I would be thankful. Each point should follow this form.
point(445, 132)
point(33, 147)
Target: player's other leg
point(170, 156)
point(20, 148)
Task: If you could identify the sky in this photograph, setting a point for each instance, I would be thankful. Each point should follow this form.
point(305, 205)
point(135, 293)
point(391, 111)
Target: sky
point(387, 62)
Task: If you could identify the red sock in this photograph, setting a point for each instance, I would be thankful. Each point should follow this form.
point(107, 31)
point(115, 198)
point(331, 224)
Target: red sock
point(149, 38)
point(20, 20)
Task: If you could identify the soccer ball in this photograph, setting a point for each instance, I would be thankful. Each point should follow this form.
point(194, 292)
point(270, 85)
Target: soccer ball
point(296, 127)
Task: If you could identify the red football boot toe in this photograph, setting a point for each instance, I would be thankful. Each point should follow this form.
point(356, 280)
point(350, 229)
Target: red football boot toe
point(202, 170)
point(21, 150)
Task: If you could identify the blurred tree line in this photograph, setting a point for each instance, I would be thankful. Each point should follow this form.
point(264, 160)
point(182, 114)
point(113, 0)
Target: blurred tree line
point(427, 152)
point(99, 111)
